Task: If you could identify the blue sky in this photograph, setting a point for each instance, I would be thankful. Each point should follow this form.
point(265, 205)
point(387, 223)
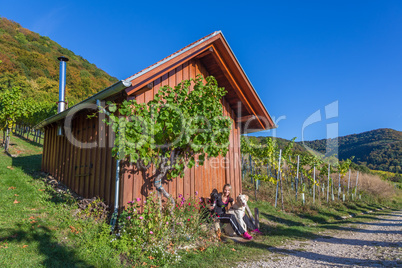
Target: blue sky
point(301, 56)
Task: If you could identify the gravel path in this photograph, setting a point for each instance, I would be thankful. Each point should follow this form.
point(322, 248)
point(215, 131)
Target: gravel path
point(371, 244)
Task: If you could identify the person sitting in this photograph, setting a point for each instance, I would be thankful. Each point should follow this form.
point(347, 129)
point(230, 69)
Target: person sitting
point(218, 207)
point(226, 199)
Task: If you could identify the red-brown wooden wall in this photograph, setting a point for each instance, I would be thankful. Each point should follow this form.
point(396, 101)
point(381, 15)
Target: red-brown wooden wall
point(91, 172)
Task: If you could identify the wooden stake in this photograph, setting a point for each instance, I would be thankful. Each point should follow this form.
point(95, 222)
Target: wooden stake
point(329, 171)
point(314, 186)
point(297, 176)
point(339, 185)
point(277, 177)
point(257, 218)
point(357, 180)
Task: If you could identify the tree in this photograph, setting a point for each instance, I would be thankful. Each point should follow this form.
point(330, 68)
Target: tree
point(11, 109)
point(174, 130)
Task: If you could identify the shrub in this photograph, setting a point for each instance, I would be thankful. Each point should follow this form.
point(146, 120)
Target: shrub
point(156, 232)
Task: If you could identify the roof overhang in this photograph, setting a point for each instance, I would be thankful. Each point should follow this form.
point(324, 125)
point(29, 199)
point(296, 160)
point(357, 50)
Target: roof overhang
point(101, 95)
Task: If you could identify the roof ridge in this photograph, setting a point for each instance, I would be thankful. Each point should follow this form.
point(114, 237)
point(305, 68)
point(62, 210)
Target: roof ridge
point(172, 56)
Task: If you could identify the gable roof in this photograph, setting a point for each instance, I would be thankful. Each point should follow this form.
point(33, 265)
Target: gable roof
point(215, 54)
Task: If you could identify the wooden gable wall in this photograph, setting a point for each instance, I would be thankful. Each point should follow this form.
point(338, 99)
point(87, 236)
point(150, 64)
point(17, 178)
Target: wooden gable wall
point(201, 179)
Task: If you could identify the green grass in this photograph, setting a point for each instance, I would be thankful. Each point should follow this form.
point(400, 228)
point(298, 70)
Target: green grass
point(38, 231)
point(31, 138)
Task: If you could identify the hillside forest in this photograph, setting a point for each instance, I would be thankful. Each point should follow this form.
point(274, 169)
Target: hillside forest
point(29, 75)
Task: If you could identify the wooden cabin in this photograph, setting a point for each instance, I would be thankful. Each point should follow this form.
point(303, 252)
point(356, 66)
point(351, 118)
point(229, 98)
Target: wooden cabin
point(81, 158)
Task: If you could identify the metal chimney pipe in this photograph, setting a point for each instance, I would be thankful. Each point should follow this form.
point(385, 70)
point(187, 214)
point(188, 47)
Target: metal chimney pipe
point(62, 84)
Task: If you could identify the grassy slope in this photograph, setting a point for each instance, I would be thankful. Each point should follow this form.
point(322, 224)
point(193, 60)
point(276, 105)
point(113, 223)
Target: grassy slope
point(47, 240)
point(36, 231)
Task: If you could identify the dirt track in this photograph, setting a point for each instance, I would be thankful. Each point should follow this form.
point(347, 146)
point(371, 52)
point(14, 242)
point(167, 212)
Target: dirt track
point(371, 244)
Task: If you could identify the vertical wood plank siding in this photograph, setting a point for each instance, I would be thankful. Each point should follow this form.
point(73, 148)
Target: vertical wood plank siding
point(86, 171)
point(91, 172)
point(214, 174)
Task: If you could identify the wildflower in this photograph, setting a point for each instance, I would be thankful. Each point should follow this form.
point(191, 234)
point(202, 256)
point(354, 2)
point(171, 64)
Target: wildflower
point(151, 232)
point(138, 199)
point(196, 192)
point(189, 204)
point(167, 222)
point(141, 217)
point(188, 220)
point(180, 195)
point(129, 217)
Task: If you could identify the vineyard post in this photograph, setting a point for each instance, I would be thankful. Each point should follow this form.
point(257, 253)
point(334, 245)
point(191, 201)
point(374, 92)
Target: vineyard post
point(277, 177)
point(332, 189)
point(297, 175)
point(339, 185)
point(348, 182)
point(251, 168)
point(242, 167)
point(256, 182)
point(314, 186)
point(290, 177)
point(7, 141)
point(357, 180)
point(323, 189)
point(280, 181)
point(329, 171)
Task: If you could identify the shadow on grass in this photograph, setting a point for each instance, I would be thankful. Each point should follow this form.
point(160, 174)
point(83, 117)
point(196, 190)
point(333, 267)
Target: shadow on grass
point(56, 254)
point(29, 141)
point(30, 165)
point(281, 220)
point(283, 233)
point(315, 218)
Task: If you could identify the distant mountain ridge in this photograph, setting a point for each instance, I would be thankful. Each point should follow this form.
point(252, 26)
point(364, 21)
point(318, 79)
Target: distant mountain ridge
point(379, 149)
point(29, 61)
